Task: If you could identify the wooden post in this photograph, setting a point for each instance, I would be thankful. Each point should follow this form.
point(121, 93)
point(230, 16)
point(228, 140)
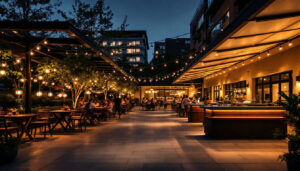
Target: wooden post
point(27, 70)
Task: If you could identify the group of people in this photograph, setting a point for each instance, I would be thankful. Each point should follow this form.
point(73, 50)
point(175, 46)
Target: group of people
point(183, 101)
point(151, 103)
point(115, 106)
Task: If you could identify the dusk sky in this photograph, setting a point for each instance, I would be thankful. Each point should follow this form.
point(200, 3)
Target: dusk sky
point(160, 18)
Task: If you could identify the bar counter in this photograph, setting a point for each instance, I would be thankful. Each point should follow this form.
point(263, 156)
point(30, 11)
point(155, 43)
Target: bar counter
point(244, 121)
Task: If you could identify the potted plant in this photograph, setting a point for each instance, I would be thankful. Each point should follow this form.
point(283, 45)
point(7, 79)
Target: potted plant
point(292, 105)
point(8, 149)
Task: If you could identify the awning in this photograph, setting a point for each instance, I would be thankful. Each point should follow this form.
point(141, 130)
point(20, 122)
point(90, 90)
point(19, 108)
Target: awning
point(13, 36)
point(261, 28)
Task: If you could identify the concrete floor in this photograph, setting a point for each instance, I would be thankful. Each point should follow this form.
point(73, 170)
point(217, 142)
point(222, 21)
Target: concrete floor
point(147, 140)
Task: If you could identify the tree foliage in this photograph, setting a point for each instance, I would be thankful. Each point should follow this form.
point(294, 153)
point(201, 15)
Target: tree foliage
point(28, 10)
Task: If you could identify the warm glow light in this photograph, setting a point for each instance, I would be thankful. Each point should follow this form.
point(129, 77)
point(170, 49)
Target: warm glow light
point(45, 42)
point(19, 92)
point(35, 80)
point(88, 92)
point(165, 65)
point(280, 48)
point(40, 77)
point(65, 95)
point(290, 43)
point(259, 57)
point(3, 64)
point(31, 53)
point(176, 61)
point(2, 72)
point(268, 53)
point(18, 61)
point(22, 80)
point(39, 93)
point(38, 48)
point(50, 94)
point(60, 95)
point(47, 71)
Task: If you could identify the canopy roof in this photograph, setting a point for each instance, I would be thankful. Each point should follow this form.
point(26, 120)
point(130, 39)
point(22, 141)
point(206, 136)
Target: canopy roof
point(266, 24)
point(48, 36)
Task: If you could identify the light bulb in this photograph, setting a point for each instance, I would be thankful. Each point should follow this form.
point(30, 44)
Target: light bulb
point(39, 93)
point(50, 94)
point(47, 71)
point(290, 43)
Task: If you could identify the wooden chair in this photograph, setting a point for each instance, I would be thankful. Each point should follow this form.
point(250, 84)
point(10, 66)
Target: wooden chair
point(42, 121)
point(81, 118)
point(6, 130)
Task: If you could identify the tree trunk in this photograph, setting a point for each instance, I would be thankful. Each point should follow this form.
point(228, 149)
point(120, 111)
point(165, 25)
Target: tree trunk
point(105, 94)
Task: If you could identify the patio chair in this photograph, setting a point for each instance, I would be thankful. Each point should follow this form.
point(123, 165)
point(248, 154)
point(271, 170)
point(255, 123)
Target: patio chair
point(81, 118)
point(6, 130)
point(42, 121)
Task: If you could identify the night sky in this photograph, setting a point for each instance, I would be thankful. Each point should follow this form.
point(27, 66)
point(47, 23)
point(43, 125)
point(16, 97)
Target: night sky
point(160, 18)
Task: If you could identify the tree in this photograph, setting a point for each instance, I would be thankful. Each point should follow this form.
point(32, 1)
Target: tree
point(28, 10)
point(74, 73)
point(92, 20)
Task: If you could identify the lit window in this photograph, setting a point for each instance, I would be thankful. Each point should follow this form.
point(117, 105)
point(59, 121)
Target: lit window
point(137, 42)
point(131, 60)
point(156, 52)
point(120, 43)
point(137, 50)
point(113, 43)
point(104, 43)
point(133, 50)
point(138, 59)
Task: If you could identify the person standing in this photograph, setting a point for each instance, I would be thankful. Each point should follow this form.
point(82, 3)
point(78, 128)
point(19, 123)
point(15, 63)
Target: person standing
point(165, 103)
point(118, 105)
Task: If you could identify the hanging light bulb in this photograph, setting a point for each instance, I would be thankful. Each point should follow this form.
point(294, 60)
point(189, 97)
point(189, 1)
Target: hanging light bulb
point(176, 61)
point(39, 93)
point(18, 61)
point(60, 95)
point(40, 77)
point(38, 48)
point(268, 53)
point(165, 65)
point(290, 43)
point(48, 49)
point(22, 80)
point(259, 57)
point(3, 64)
point(47, 71)
point(50, 94)
point(152, 67)
point(65, 95)
point(18, 92)
point(35, 80)
point(45, 42)
point(2, 72)
point(31, 53)
point(141, 69)
point(88, 92)
point(280, 47)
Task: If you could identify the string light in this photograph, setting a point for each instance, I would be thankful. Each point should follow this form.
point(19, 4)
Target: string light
point(39, 93)
point(2, 72)
point(290, 43)
point(31, 53)
point(3, 64)
point(50, 94)
point(38, 48)
point(45, 42)
point(280, 47)
point(18, 92)
point(268, 53)
point(40, 77)
point(47, 71)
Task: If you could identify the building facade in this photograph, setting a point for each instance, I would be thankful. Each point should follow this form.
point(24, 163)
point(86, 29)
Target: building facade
point(130, 46)
point(171, 48)
point(251, 57)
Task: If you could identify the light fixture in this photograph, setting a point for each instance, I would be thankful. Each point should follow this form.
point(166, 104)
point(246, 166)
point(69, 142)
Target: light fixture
point(152, 68)
point(3, 64)
point(45, 42)
point(217, 54)
point(40, 77)
point(165, 65)
point(39, 93)
point(280, 47)
point(141, 70)
point(65, 95)
point(268, 53)
point(35, 80)
point(50, 94)
point(88, 92)
point(2, 72)
point(60, 95)
point(259, 57)
point(18, 61)
point(176, 61)
point(18, 92)
point(47, 71)
point(290, 43)
point(22, 80)
point(48, 49)
point(31, 53)
point(38, 48)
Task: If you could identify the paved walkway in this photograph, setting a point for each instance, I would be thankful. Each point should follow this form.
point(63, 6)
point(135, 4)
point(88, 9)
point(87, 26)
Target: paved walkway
point(148, 140)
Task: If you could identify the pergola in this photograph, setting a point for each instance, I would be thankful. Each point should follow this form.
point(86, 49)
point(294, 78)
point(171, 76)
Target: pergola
point(263, 26)
point(20, 37)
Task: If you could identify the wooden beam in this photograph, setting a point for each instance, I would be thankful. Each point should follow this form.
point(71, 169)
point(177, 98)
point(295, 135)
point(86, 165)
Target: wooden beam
point(276, 16)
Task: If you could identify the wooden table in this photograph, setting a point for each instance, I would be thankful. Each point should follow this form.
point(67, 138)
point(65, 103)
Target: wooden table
point(102, 111)
point(23, 121)
point(61, 117)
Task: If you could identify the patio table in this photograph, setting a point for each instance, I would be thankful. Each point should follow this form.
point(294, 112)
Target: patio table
point(61, 117)
point(23, 121)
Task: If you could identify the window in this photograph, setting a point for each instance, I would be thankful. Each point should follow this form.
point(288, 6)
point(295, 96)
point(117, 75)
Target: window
point(117, 51)
point(130, 51)
point(235, 90)
point(113, 43)
point(104, 43)
point(131, 60)
point(207, 93)
point(268, 87)
point(120, 43)
point(217, 90)
point(134, 43)
point(138, 59)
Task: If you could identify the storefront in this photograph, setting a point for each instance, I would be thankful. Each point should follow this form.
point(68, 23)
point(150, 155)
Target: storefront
point(170, 92)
